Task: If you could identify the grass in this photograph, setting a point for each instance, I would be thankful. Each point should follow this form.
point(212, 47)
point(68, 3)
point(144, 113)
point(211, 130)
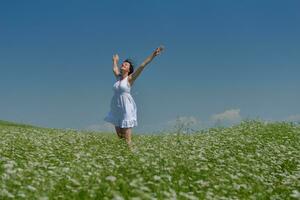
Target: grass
point(14, 124)
point(252, 160)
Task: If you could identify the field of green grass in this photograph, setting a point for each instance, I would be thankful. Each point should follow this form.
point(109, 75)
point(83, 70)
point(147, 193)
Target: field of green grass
point(252, 160)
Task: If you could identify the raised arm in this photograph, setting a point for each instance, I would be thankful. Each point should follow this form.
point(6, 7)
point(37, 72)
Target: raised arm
point(115, 65)
point(132, 77)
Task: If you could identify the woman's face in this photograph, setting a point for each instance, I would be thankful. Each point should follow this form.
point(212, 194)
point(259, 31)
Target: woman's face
point(125, 66)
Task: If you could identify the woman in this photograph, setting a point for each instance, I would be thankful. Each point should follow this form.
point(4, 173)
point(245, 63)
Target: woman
point(123, 110)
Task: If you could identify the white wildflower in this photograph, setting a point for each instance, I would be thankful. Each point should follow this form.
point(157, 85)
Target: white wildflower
point(188, 195)
point(295, 194)
point(111, 178)
point(31, 188)
point(156, 178)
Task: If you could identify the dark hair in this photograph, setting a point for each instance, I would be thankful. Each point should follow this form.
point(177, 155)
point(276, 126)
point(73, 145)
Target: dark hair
point(131, 69)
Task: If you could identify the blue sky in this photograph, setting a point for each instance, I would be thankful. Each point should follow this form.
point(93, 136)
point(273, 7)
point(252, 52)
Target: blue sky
point(224, 60)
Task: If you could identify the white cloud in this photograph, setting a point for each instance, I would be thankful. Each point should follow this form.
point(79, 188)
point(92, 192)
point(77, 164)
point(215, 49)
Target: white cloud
point(228, 116)
point(294, 118)
point(191, 119)
point(100, 127)
point(183, 119)
point(184, 123)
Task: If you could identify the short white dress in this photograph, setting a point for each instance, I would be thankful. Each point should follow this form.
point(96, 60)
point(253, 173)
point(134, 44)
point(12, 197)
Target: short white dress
point(123, 110)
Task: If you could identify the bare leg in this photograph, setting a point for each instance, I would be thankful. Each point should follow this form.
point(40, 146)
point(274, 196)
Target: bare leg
point(119, 132)
point(126, 132)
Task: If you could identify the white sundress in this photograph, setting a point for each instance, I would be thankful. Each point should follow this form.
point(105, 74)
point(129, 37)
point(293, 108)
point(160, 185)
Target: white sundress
point(123, 110)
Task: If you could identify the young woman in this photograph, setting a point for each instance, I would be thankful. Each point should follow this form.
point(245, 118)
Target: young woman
point(123, 110)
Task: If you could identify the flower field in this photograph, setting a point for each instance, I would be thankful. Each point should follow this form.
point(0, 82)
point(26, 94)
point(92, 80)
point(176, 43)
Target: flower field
point(252, 160)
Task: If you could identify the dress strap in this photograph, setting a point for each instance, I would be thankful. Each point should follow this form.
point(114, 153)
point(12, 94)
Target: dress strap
point(120, 78)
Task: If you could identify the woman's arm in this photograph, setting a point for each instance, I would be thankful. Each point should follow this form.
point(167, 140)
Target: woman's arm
point(132, 77)
point(115, 65)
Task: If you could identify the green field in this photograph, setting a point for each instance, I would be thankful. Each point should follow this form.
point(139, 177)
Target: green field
point(252, 160)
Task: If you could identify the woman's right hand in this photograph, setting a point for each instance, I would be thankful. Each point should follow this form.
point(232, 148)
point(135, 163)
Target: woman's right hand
point(115, 58)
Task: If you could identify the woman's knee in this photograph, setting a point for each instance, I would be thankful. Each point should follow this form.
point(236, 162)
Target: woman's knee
point(124, 131)
point(127, 132)
point(118, 130)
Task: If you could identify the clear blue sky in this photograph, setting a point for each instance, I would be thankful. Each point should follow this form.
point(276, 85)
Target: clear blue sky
point(227, 59)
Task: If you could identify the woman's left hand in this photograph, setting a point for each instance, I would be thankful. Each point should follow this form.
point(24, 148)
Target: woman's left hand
point(158, 50)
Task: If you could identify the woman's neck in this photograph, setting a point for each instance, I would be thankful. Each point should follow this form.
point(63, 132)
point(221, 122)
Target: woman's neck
point(124, 75)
